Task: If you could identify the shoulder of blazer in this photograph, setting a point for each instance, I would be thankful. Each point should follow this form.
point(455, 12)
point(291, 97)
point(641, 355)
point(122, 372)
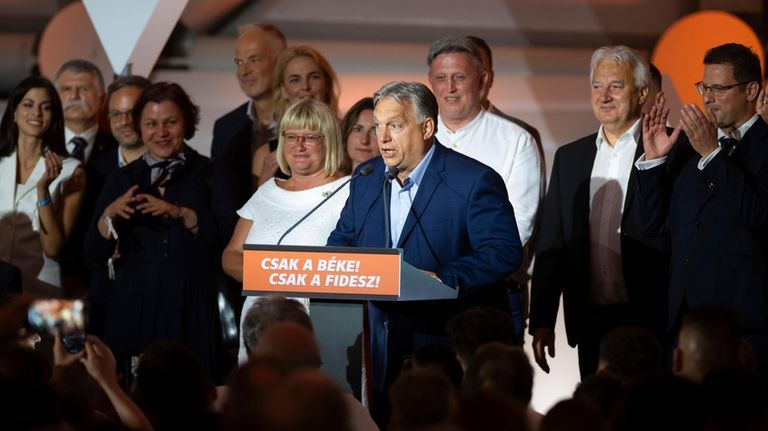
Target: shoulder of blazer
point(234, 117)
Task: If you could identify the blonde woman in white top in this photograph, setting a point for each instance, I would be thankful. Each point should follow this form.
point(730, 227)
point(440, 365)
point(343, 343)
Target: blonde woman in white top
point(311, 152)
point(40, 187)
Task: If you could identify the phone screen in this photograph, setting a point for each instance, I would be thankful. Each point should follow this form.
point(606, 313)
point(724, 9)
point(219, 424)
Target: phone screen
point(68, 318)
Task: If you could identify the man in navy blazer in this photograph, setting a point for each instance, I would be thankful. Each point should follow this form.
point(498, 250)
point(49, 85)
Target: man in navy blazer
point(449, 213)
point(716, 209)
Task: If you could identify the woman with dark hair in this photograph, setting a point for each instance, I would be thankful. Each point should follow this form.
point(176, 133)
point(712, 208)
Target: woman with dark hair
point(40, 186)
point(161, 220)
point(359, 131)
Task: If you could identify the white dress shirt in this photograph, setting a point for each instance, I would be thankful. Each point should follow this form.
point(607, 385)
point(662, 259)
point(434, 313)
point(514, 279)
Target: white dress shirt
point(510, 151)
point(89, 136)
point(607, 193)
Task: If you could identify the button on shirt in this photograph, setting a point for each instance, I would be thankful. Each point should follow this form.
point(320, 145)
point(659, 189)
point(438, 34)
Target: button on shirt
point(607, 192)
point(401, 196)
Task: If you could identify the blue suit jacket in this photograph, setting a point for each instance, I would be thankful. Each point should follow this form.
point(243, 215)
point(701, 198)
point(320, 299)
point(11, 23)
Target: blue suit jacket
point(461, 226)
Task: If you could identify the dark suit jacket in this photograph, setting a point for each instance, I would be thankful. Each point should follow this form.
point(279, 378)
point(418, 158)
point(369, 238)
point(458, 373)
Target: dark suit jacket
point(461, 226)
point(10, 278)
point(231, 146)
point(72, 261)
point(562, 252)
point(717, 219)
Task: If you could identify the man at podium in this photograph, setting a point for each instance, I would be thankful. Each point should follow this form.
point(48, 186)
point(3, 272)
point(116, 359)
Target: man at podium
point(449, 213)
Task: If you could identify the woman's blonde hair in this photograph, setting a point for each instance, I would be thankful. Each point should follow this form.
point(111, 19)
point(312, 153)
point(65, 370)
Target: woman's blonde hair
point(291, 53)
point(315, 116)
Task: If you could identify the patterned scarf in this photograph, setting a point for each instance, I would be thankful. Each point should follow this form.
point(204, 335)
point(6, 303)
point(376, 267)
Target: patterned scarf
point(162, 171)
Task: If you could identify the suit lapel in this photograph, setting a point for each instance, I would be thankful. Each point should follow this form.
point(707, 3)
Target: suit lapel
point(7, 181)
point(631, 184)
point(432, 178)
point(583, 177)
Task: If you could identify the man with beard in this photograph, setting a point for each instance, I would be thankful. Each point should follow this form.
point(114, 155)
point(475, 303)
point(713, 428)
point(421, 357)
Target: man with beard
point(121, 96)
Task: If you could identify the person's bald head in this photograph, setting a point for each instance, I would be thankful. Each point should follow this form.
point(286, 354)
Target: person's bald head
point(255, 60)
point(290, 344)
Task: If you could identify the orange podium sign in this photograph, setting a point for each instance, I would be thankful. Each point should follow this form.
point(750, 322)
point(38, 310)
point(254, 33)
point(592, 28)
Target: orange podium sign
point(337, 273)
point(326, 272)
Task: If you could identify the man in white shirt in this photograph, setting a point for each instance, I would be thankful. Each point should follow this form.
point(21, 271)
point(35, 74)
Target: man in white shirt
point(590, 248)
point(458, 79)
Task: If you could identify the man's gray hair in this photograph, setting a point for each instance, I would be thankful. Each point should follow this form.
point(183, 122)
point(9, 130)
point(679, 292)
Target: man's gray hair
point(82, 66)
point(455, 44)
point(415, 94)
point(269, 310)
point(625, 55)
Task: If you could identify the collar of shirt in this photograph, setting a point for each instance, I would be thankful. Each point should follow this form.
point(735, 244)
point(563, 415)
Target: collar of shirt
point(475, 121)
point(249, 113)
point(631, 136)
point(740, 131)
point(418, 173)
point(401, 197)
point(89, 136)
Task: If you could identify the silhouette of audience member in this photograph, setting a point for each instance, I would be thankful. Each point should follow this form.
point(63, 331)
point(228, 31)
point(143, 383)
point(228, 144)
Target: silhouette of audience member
point(247, 393)
point(734, 400)
point(437, 357)
point(709, 339)
point(421, 399)
point(506, 369)
point(490, 410)
point(603, 390)
point(294, 348)
point(308, 400)
point(172, 388)
point(270, 310)
point(27, 398)
point(660, 403)
point(476, 326)
point(573, 415)
point(631, 354)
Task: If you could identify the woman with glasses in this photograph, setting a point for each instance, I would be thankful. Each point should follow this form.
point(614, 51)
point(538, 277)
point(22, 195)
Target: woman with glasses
point(160, 222)
point(310, 151)
point(359, 132)
point(301, 73)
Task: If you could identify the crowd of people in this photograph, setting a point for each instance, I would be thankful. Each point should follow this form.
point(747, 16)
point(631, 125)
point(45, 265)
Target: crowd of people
point(652, 233)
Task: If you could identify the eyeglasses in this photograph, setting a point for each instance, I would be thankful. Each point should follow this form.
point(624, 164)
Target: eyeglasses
point(309, 139)
point(703, 88)
point(117, 115)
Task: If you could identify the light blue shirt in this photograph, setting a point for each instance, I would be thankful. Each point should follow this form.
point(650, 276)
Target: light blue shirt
point(401, 197)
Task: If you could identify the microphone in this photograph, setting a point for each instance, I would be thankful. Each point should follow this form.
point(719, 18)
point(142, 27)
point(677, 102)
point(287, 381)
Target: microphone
point(391, 174)
point(365, 170)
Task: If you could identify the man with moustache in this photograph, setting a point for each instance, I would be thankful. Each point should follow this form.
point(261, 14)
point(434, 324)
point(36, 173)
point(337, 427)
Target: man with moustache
point(716, 209)
point(238, 134)
point(81, 88)
point(590, 248)
point(459, 80)
point(450, 215)
point(121, 96)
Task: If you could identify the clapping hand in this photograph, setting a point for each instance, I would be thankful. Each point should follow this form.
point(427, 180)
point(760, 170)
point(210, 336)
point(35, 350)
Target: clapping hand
point(656, 142)
point(155, 206)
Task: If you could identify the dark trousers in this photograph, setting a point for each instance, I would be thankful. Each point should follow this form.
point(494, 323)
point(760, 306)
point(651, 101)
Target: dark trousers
point(598, 321)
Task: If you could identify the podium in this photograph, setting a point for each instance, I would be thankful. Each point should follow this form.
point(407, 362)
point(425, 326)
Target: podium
point(338, 280)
